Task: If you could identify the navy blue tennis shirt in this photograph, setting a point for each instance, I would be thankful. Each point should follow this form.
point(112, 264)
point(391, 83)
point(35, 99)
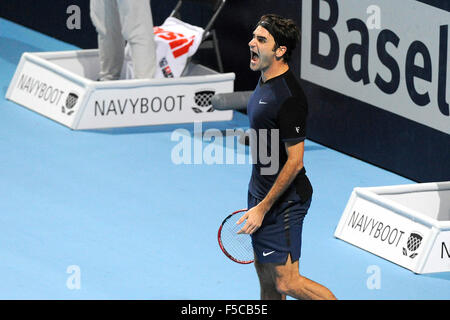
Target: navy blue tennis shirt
point(277, 111)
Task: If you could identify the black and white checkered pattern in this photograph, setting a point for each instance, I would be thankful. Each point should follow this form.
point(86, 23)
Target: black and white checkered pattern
point(414, 241)
point(203, 98)
point(71, 100)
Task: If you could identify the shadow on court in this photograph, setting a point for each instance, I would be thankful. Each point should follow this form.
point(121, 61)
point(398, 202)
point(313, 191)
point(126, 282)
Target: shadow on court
point(439, 275)
point(15, 49)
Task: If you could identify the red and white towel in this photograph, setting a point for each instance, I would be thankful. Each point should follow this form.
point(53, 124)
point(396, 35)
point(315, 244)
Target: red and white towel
point(176, 41)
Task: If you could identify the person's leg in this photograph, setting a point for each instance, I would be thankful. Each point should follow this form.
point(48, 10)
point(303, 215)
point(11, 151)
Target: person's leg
point(267, 282)
point(111, 44)
point(137, 28)
point(288, 281)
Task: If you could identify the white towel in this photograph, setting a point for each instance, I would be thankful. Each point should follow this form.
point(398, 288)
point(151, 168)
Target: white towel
point(176, 41)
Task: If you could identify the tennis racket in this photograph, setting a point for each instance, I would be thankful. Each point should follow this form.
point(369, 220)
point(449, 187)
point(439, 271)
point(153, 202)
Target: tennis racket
point(237, 247)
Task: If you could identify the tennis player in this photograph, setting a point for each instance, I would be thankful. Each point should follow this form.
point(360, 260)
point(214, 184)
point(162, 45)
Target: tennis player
point(278, 202)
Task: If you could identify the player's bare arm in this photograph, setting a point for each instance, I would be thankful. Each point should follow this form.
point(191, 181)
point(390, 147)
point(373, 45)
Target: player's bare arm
point(287, 174)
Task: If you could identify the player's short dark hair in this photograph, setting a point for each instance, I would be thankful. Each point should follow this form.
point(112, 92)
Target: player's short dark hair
point(283, 30)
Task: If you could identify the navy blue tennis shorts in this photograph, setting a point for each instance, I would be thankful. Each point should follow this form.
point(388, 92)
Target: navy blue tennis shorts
point(281, 231)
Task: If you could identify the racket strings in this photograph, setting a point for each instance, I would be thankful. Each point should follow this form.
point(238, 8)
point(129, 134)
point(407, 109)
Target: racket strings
point(239, 246)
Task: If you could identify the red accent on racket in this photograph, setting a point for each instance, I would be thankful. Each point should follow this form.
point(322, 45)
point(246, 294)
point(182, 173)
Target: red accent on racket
point(237, 247)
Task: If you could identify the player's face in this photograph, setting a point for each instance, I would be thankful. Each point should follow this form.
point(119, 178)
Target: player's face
point(261, 50)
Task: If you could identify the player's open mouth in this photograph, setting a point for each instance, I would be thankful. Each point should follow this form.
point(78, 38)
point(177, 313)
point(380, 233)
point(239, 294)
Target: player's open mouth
point(253, 56)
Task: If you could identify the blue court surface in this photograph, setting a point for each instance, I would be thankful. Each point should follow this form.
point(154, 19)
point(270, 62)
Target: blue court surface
point(111, 207)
